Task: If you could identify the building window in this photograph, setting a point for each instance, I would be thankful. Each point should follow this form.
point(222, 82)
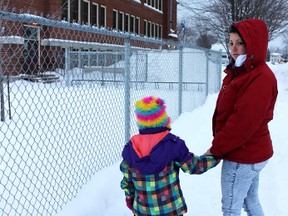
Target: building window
point(94, 15)
point(157, 4)
point(145, 27)
point(30, 32)
point(152, 29)
point(74, 8)
point(115, 19)
point(132, 24)
point(160, 31)
point(120, 20)
point(102, 16)
point(127, 23)
point(86, 12)
point(149, 29)
point(65, 10)
point(157, 31)
point(160, 5)
point(137, 26)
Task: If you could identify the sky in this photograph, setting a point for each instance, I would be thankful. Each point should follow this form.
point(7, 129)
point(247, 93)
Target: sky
point(103, 196)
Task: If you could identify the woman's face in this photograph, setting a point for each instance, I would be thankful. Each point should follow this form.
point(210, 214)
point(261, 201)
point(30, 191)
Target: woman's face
point(237, 45)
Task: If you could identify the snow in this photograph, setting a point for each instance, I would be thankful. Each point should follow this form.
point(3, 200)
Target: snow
point(102, 194)
point(173, 35)
point(218, 46)
point(11, 40)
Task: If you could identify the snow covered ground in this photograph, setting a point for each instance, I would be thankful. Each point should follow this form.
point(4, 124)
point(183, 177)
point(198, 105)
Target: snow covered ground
point(103, 196)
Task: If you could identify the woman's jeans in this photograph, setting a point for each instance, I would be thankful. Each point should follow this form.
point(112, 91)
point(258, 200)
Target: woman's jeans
point(239, 184)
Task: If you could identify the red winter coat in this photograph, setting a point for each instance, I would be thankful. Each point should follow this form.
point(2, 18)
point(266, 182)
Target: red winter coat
point(246, 102)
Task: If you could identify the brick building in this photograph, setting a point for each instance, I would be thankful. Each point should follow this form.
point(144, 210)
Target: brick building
point(149, 18)
point(152, 18)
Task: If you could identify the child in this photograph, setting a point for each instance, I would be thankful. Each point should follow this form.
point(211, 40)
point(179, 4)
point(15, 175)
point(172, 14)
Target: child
point(151, 162)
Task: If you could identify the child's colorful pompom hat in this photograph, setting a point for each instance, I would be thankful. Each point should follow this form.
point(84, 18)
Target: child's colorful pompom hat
point(151, 113)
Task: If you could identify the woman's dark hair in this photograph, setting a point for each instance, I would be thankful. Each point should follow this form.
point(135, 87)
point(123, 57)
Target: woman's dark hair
point(233, 29)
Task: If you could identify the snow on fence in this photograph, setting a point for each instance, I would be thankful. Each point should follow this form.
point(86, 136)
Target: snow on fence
point(67, 93)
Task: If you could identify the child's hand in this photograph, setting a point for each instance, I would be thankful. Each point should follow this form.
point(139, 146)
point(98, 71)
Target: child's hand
point(129, 204)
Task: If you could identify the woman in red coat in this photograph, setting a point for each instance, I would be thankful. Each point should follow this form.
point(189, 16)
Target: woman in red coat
point(244, 107)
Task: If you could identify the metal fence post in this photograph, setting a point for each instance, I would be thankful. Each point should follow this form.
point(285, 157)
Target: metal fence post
point(207, 72)
point(2, 93)
point(220, 70)
point(127, 88)
point(136, 68)
point(1, 78)
point(180, 78)
point(67, 63)
point(146, 66)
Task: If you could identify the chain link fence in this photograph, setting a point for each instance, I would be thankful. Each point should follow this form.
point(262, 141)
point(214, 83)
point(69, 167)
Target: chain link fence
point(67, 95)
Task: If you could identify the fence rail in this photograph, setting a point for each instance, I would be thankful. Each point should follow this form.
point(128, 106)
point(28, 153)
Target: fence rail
point(67, 93)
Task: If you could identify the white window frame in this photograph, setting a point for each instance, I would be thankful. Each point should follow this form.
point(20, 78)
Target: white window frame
point(133, 18)
point(157, 30)
point(137, 31)
point(152, 29)
point(97, 15)
point(114, 10)
point(145, 27)
point(105, 15)
point(123, 18)
point(69, 10)
point(81, 9)
point(128, 24)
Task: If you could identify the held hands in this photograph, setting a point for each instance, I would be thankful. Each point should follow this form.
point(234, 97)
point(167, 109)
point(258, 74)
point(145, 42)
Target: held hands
point(208, 153)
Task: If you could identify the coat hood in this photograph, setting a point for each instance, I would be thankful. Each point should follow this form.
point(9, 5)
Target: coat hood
point(169, 149)
point(156, 161)
point(255, 34)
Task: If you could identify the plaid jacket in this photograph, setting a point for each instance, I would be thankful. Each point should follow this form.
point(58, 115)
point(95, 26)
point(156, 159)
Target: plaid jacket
point(152, 180)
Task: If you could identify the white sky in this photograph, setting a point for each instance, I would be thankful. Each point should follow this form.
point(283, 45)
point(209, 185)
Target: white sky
point(103, 196)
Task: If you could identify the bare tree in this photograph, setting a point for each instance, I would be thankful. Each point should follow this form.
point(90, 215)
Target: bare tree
point(187, 36)
point(205, 40)
point(219, 14)
point(285, 37)
point(195, 32)
point(285, 48)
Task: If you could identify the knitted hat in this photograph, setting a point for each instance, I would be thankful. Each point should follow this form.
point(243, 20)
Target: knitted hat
point(151, 113)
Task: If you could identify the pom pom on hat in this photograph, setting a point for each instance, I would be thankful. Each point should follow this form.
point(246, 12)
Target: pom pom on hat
point(151, 113)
